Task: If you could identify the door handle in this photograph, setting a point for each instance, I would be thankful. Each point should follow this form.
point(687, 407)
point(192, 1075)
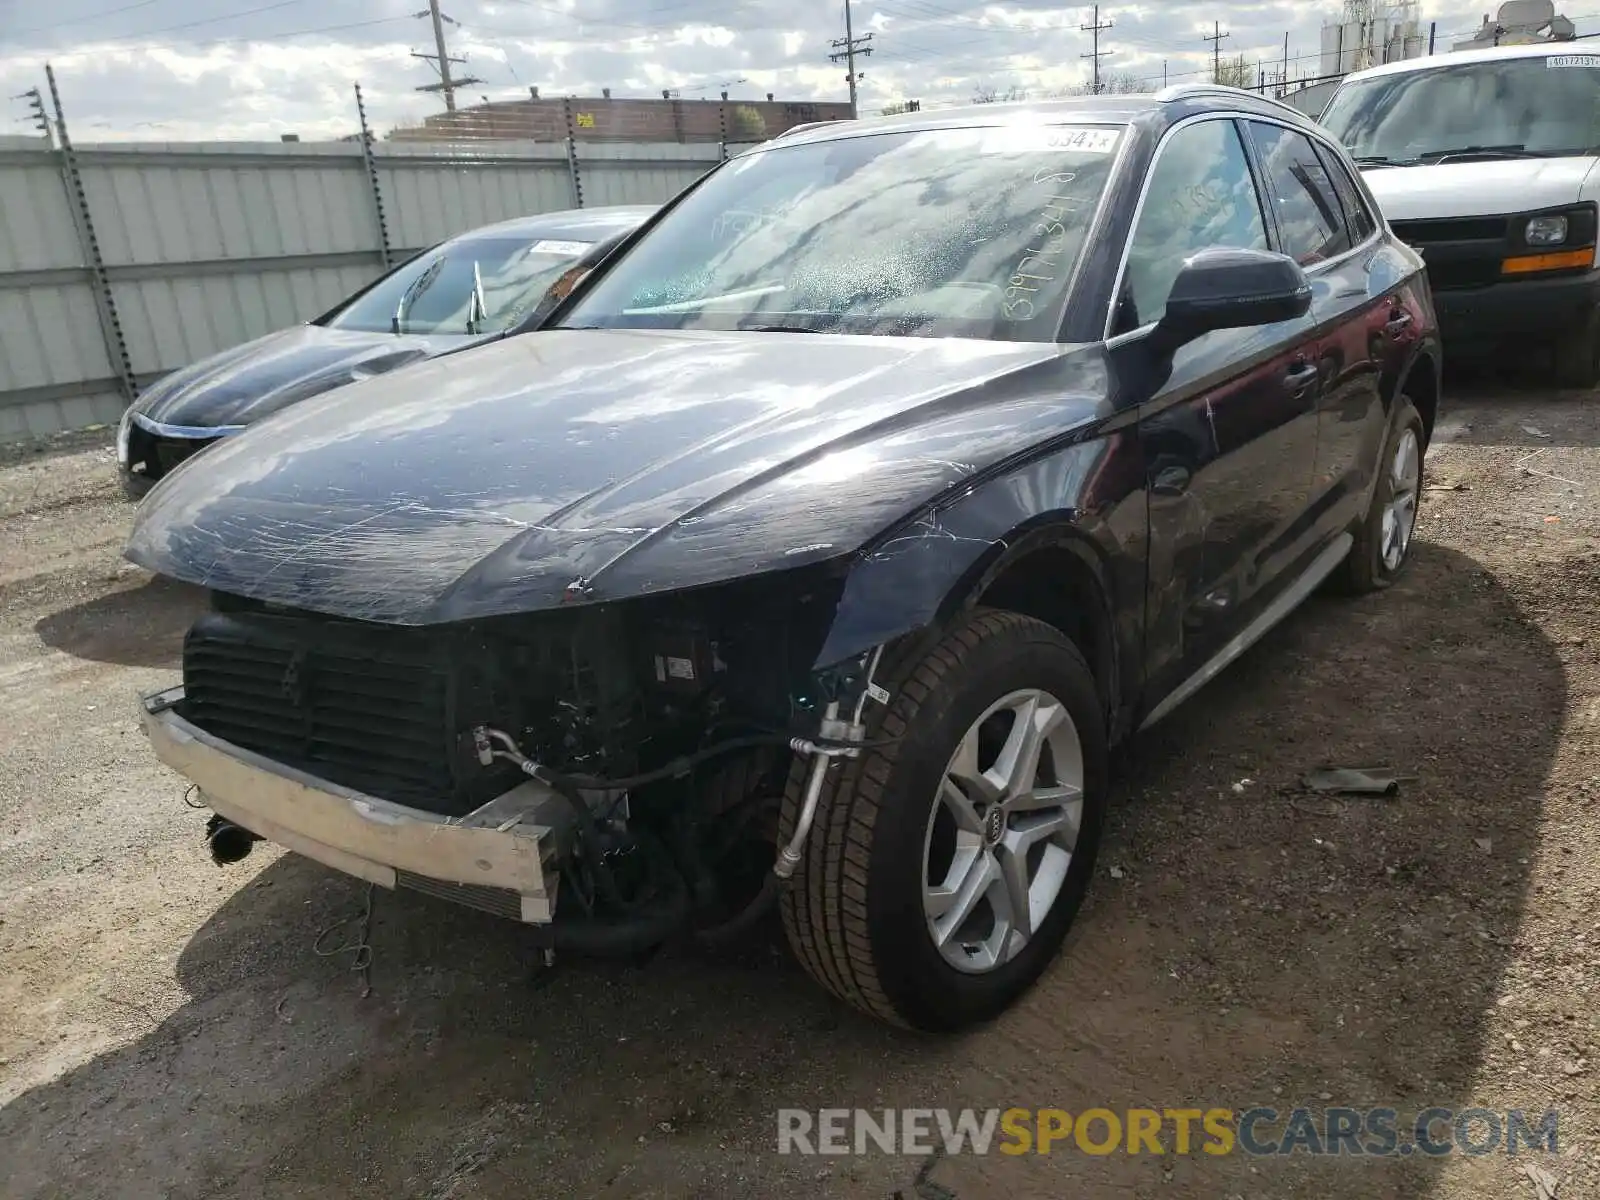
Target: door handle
point(1301, 376)
point(1398, 323)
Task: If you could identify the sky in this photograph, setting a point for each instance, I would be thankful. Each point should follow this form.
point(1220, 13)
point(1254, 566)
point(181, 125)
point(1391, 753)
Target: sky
point(181, 70)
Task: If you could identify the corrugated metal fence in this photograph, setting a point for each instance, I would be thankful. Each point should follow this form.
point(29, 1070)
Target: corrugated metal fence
point(206, 245)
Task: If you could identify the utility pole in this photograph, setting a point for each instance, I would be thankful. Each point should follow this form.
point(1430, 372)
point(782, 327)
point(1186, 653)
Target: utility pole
point(1163, 74)
point(845, 50)
point(1433, 28)
point(1215, 38)
point(442, 60)
point(1283, 75)
point(1098, 53)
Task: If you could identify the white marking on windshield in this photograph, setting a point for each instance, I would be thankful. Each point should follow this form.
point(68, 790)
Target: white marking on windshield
point(555, 247)
point(1050, 139)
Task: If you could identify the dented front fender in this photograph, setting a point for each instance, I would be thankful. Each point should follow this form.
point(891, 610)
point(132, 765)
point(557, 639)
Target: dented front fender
point(1089, 491)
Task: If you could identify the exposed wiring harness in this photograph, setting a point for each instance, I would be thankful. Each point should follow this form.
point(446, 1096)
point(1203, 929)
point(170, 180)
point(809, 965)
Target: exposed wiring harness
point(822, 748)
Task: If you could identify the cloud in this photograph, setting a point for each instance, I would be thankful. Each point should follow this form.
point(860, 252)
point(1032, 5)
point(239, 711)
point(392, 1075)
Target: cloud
point(172, 70)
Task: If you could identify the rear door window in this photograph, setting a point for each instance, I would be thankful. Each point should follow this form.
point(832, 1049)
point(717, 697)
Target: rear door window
point(1310, 222)
point(1356, 213)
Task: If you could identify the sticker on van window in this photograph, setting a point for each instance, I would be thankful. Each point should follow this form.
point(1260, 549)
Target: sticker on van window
point(1592, 61)
point(548, 246)
point(1050, 139)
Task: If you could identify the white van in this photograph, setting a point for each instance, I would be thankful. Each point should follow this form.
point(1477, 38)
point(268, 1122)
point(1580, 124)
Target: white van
point(1484, 160)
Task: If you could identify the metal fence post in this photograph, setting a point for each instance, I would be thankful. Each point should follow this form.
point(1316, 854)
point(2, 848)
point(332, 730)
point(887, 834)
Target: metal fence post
point(372, 180)
point(573, 170)
point(105, 302)
point(722, 126)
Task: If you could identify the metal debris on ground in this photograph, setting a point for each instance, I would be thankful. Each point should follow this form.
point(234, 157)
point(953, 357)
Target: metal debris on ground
point(1522, 465)
point(1545, 1185)
point(1357, 781)
point(1534, 431)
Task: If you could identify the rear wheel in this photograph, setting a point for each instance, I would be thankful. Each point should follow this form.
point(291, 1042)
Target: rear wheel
point(1383, 543)
point(946, 865)
point(1576, 357)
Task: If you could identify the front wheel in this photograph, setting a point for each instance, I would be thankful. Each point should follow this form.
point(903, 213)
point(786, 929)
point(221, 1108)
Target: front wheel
point(1383, 542)
point(1575, 359)
point(947, 863)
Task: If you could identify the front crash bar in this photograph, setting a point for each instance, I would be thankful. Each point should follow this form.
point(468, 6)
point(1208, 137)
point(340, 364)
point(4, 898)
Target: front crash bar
point(505, 844)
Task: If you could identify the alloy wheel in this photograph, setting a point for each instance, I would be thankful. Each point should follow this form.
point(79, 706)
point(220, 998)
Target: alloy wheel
point(1400, 513)
point(1002, 831)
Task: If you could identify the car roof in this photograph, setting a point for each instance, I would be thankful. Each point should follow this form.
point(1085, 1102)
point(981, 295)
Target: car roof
point(1456, 57)
point(1181, 99)
point(571, 224)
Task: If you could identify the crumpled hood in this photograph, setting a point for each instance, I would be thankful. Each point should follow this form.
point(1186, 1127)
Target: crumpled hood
point(248, 382)
point(1474, 189)
point(587, 465)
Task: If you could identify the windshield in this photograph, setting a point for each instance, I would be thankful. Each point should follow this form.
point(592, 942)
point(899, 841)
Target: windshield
point(1509, 108)
point(944, 233)
point(476, 285)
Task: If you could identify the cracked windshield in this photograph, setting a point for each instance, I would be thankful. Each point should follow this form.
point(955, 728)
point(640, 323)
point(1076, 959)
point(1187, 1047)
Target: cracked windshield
point(945, 233)
point(485, 285)
point(1546, 107)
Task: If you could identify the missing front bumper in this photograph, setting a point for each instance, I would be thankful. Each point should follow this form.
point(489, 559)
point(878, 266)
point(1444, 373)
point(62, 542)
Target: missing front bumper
point(498, 857)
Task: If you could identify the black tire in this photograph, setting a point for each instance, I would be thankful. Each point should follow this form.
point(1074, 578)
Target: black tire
point(1575, 359)
point(853, 912)
point(1365, 570)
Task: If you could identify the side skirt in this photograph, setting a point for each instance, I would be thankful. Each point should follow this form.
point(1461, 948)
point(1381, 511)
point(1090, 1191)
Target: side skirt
point(1287, 601)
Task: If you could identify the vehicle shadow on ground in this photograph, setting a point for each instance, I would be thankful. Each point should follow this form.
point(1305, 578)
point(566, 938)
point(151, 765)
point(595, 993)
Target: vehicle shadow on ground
point(1250, 943)
point(1243, 945)
point(136, 627)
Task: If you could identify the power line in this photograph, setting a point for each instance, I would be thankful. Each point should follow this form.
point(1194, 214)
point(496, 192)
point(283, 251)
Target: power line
point(1095, 56)
point(248, 38)
point(94, 16)
point(248, 12)
point(558, 12)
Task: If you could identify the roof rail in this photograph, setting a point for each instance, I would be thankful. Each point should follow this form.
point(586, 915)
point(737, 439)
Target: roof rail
point(1182, 91)
point(794, 129)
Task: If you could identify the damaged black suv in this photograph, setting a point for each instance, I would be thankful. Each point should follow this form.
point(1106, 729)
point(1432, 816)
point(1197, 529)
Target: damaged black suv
point(817, 555)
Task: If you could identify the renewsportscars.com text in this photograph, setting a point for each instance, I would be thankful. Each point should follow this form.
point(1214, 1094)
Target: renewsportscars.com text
point(1258, 1131)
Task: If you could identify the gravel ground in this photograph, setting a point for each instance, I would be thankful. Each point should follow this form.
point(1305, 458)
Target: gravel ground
point(166, 1027)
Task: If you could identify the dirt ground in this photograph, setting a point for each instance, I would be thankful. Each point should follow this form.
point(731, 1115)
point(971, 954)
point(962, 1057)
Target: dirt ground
point(166, 1027)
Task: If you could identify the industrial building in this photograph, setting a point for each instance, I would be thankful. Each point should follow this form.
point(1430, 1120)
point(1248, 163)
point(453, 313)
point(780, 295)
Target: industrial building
point(607, 119)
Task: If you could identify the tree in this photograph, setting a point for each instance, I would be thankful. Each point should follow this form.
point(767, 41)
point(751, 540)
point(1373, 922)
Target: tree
point(984, 94)
point(1234, 72)
point(1119, 83)
point(747, 124)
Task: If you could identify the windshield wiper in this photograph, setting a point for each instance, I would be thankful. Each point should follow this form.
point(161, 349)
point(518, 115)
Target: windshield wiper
point(409, 296)
point(1510, 151)
point(1381, 160)
point(777, 329)
point(477, 307)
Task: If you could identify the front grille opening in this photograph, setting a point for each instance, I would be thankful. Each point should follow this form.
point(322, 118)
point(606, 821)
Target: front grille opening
point(502, 902)
point(1451, 229)
point(378, 724)
point(170, 452)
point(153, 456)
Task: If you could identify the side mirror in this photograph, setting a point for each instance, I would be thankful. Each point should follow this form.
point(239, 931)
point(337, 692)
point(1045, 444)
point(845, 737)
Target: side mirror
point(1231, 289)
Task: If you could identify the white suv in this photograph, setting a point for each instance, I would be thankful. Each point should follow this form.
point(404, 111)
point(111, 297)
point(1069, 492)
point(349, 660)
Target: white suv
point(1485, 161)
